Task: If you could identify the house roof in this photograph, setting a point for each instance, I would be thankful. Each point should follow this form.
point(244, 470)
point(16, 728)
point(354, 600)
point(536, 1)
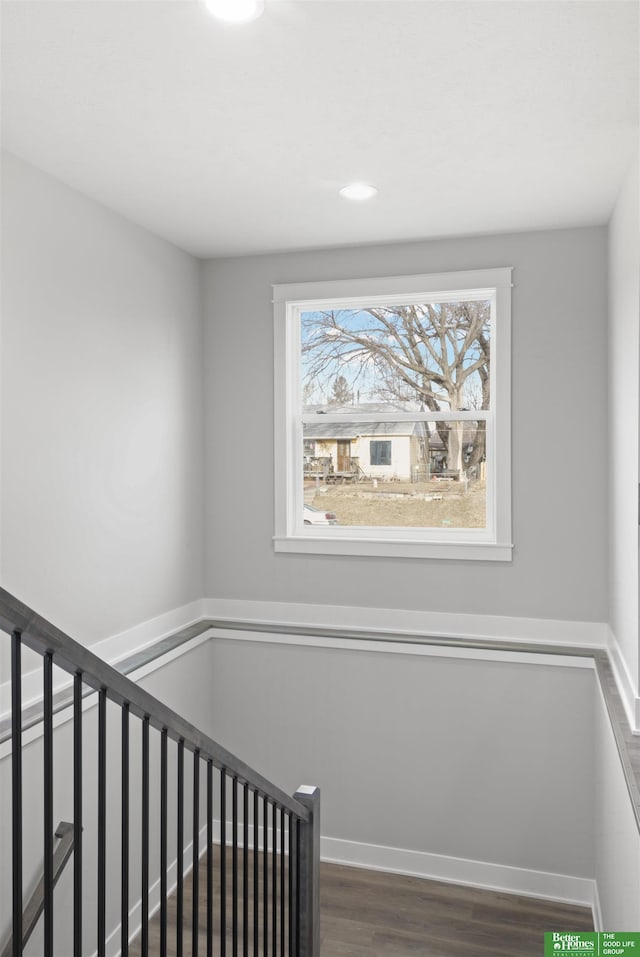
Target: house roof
point(349, 431)
point(369, 407)
point(354, 430)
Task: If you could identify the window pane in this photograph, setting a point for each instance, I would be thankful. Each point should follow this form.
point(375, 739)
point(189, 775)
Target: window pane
point(390, 474)
point(425, 356)
point(380, 452)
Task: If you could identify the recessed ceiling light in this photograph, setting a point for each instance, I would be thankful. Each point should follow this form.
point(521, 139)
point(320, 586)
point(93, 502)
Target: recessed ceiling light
point(358, 191)
point(235, 11)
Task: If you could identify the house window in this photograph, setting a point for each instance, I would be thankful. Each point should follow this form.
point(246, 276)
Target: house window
point(380, 452)
point(401, 387)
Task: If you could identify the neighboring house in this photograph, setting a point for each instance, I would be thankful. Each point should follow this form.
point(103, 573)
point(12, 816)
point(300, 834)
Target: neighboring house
point(408, 451)
point(387, 450)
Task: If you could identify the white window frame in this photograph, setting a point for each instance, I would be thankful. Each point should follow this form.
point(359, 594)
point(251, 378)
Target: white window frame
point(492, 543)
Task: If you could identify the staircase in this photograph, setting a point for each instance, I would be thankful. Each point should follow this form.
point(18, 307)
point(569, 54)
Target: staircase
point(175, 843)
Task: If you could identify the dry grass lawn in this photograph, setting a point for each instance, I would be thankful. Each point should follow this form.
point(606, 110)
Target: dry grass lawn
point(426, 504)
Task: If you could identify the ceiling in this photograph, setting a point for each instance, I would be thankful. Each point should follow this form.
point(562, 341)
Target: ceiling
point(469, 117)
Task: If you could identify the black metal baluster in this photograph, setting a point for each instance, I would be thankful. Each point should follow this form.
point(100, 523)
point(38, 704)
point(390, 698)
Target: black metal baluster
point(77, 814)
point(283, 922)
point(297, 921)
point(163, 842)
point(195, 873)
point(48, 803)
point(223, 863)
point(245, 871)
point(290, 884)
point(299, 862)
point(274, 881)
point(234, 867)
point(16, 788)
point(179, 851)
point(209, 859)
point(256, 894)
point(144, 935)
point(102, 821)
point(124, 836)
point(265, 875)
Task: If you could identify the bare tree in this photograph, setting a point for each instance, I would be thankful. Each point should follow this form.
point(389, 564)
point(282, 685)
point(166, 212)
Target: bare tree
point(436, 354)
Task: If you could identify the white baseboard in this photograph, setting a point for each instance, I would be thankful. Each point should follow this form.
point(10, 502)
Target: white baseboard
point(455, 870)
point(401, 622)
point(368, 622)
point(135, 639)
point(112, 650)
point(438, 867)
point(625, 683)
point(598, 923)
point(401, 647)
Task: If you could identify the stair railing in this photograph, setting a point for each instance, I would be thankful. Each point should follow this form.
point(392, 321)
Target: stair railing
point(259, 874)
point(35, 905)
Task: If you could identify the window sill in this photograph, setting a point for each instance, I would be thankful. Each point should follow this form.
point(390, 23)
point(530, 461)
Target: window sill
point(378, 548)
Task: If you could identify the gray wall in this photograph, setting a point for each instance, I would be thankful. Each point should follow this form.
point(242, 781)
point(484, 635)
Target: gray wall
point(101, 521)
point(482, 760)
point(559, 435)
point(624, 402)
point(102, 494)
point(617, 842)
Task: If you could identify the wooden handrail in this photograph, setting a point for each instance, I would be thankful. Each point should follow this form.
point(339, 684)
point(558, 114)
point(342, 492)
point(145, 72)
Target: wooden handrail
point(41, 636)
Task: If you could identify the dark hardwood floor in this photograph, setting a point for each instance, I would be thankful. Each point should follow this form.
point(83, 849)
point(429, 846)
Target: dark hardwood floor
point(373, 914)
point(389, 915)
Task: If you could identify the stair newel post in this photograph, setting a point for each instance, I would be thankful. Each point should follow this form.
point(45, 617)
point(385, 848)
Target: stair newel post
point(309, 870)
